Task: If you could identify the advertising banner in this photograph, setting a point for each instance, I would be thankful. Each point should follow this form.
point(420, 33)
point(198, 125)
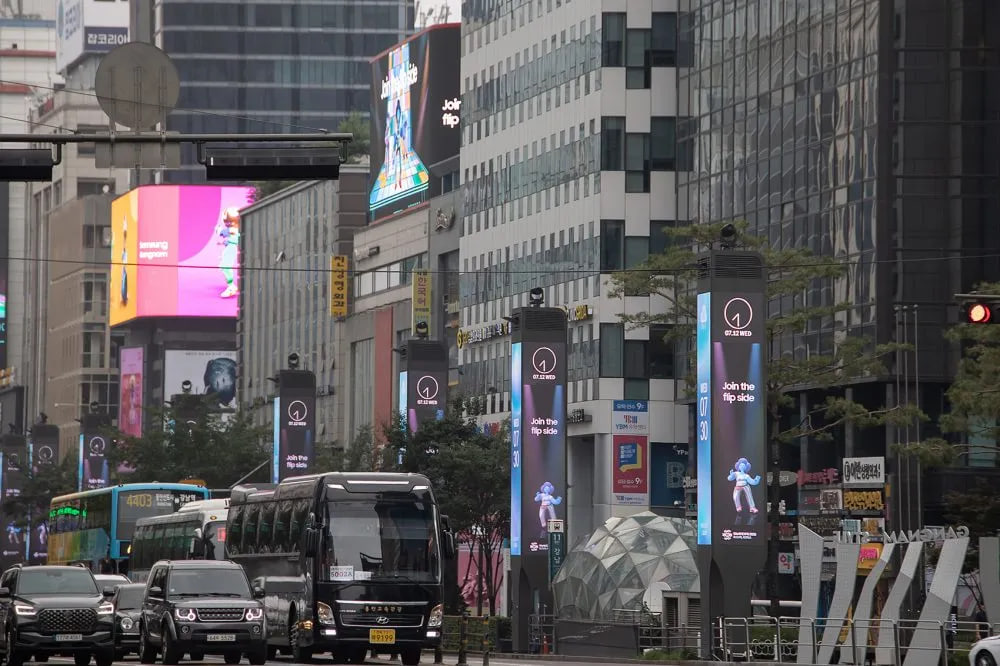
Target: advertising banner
point(864, 471)
point(423, 387)
point(630, 452)
point(422, 299)
point(13, 458)
point(415, 109)
point(89, 26)
point(175, 251)
point(209, 371)
point(294, 424)
point(93, 462)
point(130, 411)
point(703, 419)
point(338, 286)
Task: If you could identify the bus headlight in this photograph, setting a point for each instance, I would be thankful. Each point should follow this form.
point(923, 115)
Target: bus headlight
point(106, 608)
point(185, 614)
point(127, 623)
point(324, 613)
point(254, 614)
point(436, 617)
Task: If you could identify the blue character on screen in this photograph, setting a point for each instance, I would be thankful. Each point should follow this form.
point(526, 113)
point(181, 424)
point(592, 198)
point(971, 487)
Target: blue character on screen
point(740, 473)
point(547, 509)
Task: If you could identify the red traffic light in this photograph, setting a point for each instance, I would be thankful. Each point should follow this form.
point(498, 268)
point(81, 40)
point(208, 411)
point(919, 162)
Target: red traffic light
point(979, 313)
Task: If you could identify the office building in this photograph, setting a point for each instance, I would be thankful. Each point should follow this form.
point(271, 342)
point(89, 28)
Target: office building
point(278, 67)
point(862, 130)
point(287, 243)
point(568, 115)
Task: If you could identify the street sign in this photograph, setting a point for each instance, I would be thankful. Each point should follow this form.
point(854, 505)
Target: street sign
point(338, 286)
point(557, 546)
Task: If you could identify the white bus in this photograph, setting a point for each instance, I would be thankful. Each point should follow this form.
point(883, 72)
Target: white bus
point(197, 531)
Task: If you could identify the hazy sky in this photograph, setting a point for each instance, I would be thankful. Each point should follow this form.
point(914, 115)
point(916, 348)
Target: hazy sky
point(454, 7)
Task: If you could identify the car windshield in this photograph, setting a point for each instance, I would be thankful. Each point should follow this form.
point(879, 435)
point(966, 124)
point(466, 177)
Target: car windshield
point(56, 581)
point(382, 540)
point(208, 583)
point(129, 597)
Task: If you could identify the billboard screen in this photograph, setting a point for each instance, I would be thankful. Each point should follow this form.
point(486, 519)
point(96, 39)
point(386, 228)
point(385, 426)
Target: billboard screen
point(14, 453)
point(130, 412)
point(294, 424)
point(208, 372)
point(415, 109)
point(175, 251)
point(89, 26)
point(630, 452)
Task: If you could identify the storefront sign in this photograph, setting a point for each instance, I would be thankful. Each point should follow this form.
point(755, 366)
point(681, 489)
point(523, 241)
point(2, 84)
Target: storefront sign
point(863, 500)
point(579, 312)
point(864, 471)
point(831, 501)
point(822, 477)
point(475, 335)
point(630, 452)
point(868, 555)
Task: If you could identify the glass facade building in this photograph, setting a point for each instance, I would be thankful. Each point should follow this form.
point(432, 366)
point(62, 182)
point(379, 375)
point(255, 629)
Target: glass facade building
point(279, 66)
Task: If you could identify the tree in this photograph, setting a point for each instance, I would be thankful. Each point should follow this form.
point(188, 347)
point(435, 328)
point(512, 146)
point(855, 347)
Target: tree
point(39, 485)
point(979, 510)
point(470, 474)
point(360, 456)
point(197, 445)
point(792, 273)
point(356, 149)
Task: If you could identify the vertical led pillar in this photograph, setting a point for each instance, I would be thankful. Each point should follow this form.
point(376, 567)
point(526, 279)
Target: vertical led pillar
point(44, 452)
point(538, 457)
point(93, 455)
point(13, 462)
point(423, 382)
point(731, 419)
point(294, 424)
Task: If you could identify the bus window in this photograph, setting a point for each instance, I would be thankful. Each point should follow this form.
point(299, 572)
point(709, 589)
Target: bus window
point(159, 543)
point(250, 528)
point(137, 542)
point(264, 531)
point(300, 511)
point(282, 518)
point(235, 535)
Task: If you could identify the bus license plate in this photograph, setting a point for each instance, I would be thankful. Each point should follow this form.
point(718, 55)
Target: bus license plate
point(381, 636)
point(221, 638)
point(69, 637)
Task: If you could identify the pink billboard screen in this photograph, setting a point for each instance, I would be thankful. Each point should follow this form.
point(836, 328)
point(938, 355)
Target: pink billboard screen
point(175, 250)
point(130, 391)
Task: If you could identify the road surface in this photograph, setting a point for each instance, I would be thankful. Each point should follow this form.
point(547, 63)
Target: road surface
point(428, 658)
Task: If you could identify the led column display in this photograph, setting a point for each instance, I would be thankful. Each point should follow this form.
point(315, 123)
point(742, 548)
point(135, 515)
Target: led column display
point(14, 454)
point(294, 424)
point(538, 455)
point(423, 383)
point(731, 429)
point(43, 451)
point(93, 461)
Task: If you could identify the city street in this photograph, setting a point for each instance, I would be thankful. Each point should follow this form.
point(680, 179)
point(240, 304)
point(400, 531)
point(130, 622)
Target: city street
point(449, 660)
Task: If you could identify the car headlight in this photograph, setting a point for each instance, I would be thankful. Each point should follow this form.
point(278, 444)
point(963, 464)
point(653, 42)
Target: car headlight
point(106, 608)
point(324, 613)
point(185, 614)
point(254, 614)
point(24, 610)
point(127, 623)
point(437, 616)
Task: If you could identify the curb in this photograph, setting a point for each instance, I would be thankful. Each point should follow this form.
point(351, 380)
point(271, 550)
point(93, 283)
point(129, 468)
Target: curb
point(507, 656)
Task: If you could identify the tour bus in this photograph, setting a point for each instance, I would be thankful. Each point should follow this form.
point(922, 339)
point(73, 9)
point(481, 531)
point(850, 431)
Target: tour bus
point(196, 532)
point(85, 527)
point(349, 562)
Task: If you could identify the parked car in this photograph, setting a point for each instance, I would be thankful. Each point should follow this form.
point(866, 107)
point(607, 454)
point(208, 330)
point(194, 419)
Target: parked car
point(985, 652)
point(128, 610)
point(201, 607)
point(55, 610)
point(111, 580)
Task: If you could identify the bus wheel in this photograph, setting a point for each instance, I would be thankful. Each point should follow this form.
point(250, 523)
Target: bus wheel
point(411, 656)
point(300, 653)
point(272, 652)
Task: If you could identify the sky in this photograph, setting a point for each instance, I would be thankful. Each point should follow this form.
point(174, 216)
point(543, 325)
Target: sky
point(454, 13)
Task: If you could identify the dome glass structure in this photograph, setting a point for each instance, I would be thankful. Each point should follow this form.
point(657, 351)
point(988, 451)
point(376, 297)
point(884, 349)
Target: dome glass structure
point(620, 561)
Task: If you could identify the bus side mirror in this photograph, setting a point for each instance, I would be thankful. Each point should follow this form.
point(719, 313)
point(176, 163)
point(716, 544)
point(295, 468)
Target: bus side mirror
point(310, 545)
point(449, 545)
point(197, 549)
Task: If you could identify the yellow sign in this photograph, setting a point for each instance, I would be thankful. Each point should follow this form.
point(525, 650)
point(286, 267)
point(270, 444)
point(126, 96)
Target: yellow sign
point(421, 301)
point(338, 286)
point(382, 636)
point(863, 500)
point(870, 552)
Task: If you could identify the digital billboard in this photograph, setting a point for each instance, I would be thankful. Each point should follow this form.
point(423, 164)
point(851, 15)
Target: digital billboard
point(630, 452)
point(175, 251)
point(294, 424)
point(93, 470)
point(13, 455)
point(415, 110)
point(423, 383)
point(208, 371)
point(130, 364)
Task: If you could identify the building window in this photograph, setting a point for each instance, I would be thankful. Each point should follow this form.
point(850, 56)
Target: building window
point(86, 186)
point(663, 49)
point(661, 352)
point(636, 162)
point(98, 235)
point(612, 143)
point(663, 144)
point(613, 37)
point(636, 251)
point(637, 69)
point(612, 350)
point(93, 349)
point(612, 245)
point(636, 389)
point(88, 148)
point(659, 239)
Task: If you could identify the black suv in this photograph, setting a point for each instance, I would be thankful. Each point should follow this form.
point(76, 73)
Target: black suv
point(201, 607)
point(53, 610)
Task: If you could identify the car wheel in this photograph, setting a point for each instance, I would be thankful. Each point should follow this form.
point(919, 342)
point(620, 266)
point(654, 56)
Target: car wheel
point(13, 657)
point(104, 658)
point(984, 658)
point(232, 657)
point(81, 659)
point(171, 656)
point(147, 651)
point(300, 653)
point(197, 656)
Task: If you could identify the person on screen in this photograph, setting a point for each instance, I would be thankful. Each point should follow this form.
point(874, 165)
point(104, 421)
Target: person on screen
point(43, 533)
point(547, 506)
point(220, 380)
point(741, 475)
point(229, 232)
point(124, 289)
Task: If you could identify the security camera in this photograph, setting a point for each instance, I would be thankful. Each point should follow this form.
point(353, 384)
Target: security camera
point(186, 386)
point(727, 237)
point(536, 297)
point(422, 329)
point(293, 361)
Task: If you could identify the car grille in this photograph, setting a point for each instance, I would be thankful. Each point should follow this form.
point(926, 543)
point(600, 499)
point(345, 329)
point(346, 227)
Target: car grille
point(372, 620)
point(220, 614)
point(70, 620)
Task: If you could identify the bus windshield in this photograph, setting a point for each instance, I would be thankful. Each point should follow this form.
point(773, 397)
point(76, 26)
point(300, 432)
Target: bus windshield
point(382, 541)
point(215, 540)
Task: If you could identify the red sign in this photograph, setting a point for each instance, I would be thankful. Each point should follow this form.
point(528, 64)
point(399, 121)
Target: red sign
point(822, 477)
point(630, 469)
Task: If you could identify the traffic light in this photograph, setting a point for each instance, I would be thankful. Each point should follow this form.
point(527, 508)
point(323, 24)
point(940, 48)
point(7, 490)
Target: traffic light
point(979, 313)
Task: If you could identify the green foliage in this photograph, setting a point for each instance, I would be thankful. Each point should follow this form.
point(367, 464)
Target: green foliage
point(470, 473)
point(357, 149)
point(361, 455)
point(496, 628)
point(684, 654)
point(40, 485)
point(200, 445)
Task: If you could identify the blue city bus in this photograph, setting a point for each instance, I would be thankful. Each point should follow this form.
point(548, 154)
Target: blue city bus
point(85, 527)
